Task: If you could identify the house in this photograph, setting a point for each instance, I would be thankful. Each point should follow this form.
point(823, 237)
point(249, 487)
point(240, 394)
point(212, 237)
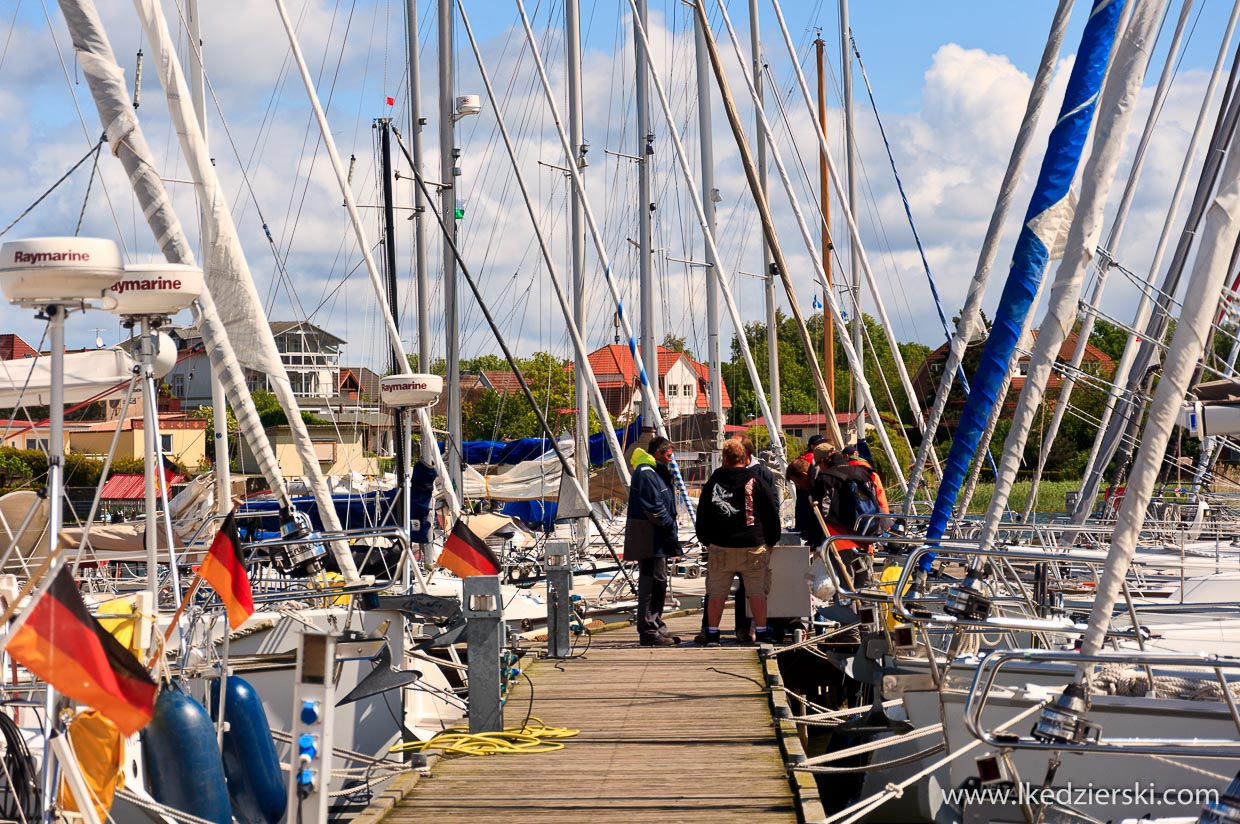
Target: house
point(357, 383)
point(311, 357)
point(804, 425)
point(926, 381)
point(339, 450)
point(182, 439)
point(684, 384)
point(13, 347)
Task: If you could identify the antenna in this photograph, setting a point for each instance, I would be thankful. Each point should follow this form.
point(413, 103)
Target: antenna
point(98, 337)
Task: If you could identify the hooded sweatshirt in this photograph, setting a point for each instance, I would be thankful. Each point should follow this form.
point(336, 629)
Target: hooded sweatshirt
point(738, 508)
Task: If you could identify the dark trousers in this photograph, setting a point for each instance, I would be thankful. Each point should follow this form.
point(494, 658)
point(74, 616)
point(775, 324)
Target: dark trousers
point(743, 621)
point(651, 595)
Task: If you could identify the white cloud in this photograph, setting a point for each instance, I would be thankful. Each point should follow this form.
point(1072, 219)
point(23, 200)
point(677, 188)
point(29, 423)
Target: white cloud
point(951, 152)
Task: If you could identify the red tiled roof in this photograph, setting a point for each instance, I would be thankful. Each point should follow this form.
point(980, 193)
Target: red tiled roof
point(803, 419)
point(613, 368)
point(132, 487)
point(502, 381)
point(12, 347)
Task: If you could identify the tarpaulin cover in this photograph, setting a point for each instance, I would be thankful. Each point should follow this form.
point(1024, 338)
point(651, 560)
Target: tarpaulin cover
point(354, 511)
point(528, 449)
point(533, 512)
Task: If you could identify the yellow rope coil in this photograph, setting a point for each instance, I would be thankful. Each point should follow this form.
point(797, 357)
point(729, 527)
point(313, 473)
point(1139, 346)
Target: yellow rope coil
point(534, 737)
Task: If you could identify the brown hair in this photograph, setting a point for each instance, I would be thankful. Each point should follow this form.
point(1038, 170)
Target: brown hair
point(734, 453)
point(797, 469)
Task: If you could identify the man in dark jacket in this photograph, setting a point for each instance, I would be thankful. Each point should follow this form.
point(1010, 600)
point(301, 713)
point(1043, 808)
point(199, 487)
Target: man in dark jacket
point(650, 537)
point(737, 521)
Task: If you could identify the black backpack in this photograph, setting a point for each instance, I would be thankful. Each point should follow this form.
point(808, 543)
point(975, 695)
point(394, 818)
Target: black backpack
point(854, 500)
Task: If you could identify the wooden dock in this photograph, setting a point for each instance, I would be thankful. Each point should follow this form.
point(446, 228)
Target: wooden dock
point(666, 734)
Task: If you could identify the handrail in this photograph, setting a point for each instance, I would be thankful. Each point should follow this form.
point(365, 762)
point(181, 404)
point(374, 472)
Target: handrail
point(988, 669)
point(1090, 557)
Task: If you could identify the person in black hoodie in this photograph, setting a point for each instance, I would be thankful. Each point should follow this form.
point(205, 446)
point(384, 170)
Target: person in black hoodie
point(737, 521)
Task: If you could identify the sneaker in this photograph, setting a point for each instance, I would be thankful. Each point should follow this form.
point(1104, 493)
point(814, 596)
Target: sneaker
point(711, 639)
point(658, 641)
point(766, 636)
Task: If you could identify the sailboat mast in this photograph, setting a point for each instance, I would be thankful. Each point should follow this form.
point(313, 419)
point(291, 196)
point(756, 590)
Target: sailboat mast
point(645, 206)
point(850, 178)
point(416, 124)
point(384, 125)
point(447, 207)
point(707, 148)
point(775, 425)
point(577, 230)
point(824, 189)
point(219, 403)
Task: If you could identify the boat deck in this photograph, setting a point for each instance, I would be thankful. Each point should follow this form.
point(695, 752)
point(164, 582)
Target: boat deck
point(666, 734)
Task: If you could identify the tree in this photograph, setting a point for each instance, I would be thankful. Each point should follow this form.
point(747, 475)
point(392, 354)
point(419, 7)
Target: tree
point(676, 343)
point(797, 391)
point(496, 416)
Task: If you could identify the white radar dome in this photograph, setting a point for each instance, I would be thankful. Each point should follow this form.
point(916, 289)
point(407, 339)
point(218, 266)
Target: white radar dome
point(47, 270)
point(156, 289)
point(410, 391)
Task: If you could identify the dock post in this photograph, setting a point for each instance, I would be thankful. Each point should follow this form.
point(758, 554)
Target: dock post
point(484, 621)
point(557, 561)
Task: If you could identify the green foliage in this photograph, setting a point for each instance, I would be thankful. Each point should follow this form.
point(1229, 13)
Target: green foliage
point(206, 413)
point(496, 416)
point(270, 413)
point(27, 468)
point(1109, 338)
point(676, 343)
point(796, 384)
point(761, 437)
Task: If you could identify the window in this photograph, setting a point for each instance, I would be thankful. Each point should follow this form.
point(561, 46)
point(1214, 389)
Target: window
point(689, 393)
point(37, 443)
point(178, 385)
point(165, 443)
point(673, 390)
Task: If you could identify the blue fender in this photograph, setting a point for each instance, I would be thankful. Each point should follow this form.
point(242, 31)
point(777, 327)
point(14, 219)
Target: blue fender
point(182, 760)
point(255, 784)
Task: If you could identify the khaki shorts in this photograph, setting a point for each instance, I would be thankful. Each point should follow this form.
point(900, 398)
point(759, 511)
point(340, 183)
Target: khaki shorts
point(724, 562)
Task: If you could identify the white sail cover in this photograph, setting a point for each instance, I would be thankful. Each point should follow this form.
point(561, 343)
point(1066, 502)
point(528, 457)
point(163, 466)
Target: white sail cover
point(106, 81)
point(28, 381)
point(228, 273)
point(1119, 97)
point(1210, 270)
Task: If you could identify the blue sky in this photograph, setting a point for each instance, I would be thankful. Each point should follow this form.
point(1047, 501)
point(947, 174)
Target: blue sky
point(950, 79)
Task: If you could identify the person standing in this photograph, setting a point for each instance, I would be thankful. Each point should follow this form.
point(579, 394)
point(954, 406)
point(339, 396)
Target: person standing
point(650, 537)
point(737, 522)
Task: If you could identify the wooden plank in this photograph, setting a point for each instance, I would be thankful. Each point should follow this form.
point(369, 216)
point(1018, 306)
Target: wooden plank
point(666, 734)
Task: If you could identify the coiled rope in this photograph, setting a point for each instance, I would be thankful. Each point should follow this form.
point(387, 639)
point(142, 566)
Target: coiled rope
point(532, 737)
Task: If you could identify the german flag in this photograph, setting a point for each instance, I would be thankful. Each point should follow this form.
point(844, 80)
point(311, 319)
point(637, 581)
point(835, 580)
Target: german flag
point(62, 644)
point(465, 554)
point(224, 569)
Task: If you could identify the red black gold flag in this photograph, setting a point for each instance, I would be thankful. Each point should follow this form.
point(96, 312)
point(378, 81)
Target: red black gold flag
point(465, 554)
point(224, 569)
point(62, 644)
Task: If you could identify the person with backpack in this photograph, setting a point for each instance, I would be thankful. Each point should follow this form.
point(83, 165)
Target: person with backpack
point(847, 498)
point(737, 522)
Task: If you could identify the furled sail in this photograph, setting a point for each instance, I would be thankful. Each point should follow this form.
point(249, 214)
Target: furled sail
point(1037, 237)
point(106, 81)
point(228, 273)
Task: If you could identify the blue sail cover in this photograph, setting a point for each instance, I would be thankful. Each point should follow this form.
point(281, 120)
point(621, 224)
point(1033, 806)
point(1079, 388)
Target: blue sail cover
point(528, 449)
point(1037, 235)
